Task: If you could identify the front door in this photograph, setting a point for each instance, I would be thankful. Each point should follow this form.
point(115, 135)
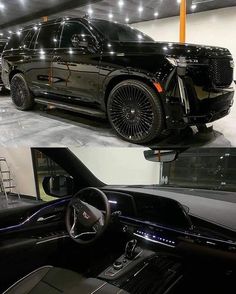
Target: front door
point(40, 57)
point(75, 68)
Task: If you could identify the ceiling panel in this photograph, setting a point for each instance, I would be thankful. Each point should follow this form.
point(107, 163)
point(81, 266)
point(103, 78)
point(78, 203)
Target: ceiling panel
point(25, 11)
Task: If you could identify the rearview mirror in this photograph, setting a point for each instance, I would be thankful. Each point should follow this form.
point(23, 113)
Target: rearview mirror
point(82, 41)
point(160, 155)
point(58, 186)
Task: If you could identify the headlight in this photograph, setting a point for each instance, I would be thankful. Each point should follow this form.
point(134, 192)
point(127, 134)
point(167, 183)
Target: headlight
point(181, 61)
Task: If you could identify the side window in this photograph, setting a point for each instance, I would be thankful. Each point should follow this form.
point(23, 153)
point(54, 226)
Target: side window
point(48, 36)
point(45, 169)
point(70, 29)
point(28, 37)
point(15, 40)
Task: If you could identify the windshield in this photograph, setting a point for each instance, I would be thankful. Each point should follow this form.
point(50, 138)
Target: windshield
point(119, 32)
point(206, 168)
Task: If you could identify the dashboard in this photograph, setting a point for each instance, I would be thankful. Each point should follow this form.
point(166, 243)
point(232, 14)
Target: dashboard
point(156, 220)
point(165, 222)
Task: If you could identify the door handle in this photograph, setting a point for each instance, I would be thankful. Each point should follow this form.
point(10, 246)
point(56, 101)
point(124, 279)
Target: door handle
point(43, 219)
point(27, 58)
point(57, 59)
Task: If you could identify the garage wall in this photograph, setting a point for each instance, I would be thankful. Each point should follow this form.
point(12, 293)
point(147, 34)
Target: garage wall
point(215, 27)
point(20, 163)
point(119, 166)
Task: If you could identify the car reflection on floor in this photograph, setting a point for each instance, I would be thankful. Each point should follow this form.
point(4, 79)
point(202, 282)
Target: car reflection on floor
point(62, 128)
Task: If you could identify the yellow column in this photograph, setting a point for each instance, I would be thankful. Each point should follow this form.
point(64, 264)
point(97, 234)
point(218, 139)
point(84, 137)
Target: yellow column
point(45, 18)
point(183, 14)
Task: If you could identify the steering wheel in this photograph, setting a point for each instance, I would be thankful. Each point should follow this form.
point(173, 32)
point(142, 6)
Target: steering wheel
point(84, 222)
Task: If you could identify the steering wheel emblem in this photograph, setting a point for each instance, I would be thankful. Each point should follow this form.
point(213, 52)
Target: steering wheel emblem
point(85, 222)
point(85, 215)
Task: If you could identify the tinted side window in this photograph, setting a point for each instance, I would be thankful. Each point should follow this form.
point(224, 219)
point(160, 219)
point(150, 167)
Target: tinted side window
point(15, 41)
point(48, 36)
point(27, 40)
point(70, 29)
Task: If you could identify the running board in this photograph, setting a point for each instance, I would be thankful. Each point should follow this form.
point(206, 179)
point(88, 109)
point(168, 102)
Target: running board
point(70, 107)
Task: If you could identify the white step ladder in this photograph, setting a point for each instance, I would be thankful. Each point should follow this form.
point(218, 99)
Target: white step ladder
point(7, 182)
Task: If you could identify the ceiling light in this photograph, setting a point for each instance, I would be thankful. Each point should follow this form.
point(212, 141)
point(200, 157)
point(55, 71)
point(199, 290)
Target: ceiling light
point(140, 9)
point(121, 3)
point(90, 11)
point(194, 6)
point(110, 15)
point(178, 1)
point(2, 6)
point(127, 19)
point(156, 14)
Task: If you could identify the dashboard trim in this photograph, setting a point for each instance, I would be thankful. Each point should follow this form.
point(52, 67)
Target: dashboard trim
point(154, 241)
point(186, 233)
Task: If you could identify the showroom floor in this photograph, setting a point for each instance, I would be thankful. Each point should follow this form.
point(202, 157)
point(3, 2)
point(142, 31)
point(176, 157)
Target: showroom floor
point(59, 128)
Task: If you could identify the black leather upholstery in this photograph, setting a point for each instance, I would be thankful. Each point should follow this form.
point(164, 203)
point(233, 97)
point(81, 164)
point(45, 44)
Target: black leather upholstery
point(52, 280)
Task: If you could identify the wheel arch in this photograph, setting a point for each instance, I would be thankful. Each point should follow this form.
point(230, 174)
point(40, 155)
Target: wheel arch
point(13, 73)
point(120, 78)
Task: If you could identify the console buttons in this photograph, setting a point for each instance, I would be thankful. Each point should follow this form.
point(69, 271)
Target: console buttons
point(110, 272)
point(117, 265)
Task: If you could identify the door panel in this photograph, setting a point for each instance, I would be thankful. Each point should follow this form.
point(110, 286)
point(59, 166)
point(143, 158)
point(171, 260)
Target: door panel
point(75, 70)
point(29, 239)
point(40, 57)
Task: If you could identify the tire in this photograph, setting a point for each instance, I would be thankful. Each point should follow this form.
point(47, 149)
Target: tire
point(135, 112)
point(20, 93)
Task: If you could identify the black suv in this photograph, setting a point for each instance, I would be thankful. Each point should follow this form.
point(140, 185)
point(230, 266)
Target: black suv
point(102, 68)
point(3, 43)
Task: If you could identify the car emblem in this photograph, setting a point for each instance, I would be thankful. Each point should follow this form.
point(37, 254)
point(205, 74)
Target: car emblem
point(85, 215)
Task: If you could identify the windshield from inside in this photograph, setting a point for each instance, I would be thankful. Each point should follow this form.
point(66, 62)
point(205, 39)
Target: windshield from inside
point(119, 32)
point(203, 168)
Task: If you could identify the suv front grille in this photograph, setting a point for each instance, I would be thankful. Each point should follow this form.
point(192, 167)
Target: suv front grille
point(221, 72)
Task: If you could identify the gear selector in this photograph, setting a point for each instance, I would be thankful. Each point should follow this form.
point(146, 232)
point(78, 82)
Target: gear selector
point(131, 249)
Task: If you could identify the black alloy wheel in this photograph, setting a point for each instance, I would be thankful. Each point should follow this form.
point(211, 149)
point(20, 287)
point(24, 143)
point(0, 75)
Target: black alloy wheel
point(20, 93)
point(135, 112)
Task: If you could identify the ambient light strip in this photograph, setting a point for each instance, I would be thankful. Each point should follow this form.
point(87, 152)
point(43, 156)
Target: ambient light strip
point(154, 241)
point(186, 233)
point(32, 216)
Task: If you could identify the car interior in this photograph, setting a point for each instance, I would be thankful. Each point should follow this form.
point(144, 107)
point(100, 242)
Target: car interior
point(102, 239)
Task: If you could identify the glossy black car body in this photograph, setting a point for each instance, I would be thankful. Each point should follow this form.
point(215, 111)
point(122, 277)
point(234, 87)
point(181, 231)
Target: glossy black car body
point(102, 68)
point(3, 43)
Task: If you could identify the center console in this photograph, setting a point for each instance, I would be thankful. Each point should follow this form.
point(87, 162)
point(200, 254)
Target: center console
point(143, 271)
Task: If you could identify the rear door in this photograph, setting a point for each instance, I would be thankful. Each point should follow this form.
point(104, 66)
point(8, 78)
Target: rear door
point(40, 55)
point(75, 69)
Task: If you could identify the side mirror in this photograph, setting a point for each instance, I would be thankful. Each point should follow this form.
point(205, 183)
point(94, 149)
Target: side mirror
point(58, 186)
point(160, 155)
point(82, 41)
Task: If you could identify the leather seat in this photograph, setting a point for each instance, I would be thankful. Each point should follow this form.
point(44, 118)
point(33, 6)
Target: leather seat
point(52, 280)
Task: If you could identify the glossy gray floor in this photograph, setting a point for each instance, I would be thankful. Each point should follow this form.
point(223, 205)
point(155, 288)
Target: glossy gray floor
point(59, 128)
point(52, 128)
